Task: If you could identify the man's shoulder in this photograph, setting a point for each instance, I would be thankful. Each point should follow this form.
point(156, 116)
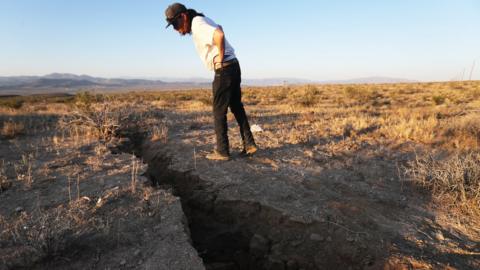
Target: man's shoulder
point(202, 20)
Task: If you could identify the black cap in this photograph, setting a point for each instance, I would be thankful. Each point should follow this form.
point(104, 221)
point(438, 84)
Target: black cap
point(173, 11)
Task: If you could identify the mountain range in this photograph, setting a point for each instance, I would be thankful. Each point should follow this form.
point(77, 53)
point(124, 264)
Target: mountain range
point(71, 83)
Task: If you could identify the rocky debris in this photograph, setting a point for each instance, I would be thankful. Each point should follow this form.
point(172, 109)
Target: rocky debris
point(259, 246)
point(221, 266)
point(439, 236)
point(316, 237)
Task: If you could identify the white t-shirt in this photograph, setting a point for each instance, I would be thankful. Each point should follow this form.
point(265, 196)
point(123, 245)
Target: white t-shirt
point(202, 33)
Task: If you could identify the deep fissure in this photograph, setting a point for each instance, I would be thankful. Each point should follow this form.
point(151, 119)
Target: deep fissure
point(238, 234)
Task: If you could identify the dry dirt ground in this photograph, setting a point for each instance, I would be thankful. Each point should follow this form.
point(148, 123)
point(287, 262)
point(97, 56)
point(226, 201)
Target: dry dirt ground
point(121, 181)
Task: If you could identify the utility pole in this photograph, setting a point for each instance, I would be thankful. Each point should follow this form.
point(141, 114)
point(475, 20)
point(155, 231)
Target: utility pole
point(471, 71)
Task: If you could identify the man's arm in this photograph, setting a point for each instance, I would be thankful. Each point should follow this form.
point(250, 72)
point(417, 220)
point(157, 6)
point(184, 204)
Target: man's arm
point(219, 42)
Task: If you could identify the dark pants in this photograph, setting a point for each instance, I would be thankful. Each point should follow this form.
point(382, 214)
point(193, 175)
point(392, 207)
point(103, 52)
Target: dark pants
point(227, 93)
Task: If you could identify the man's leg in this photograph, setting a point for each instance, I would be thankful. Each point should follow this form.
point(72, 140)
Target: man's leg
point(221, 98)
point(238, 110)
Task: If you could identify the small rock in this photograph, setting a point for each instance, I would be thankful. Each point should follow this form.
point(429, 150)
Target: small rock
point(256, 128)
point(221, 266)
point(316, 237)
point(329, 239)
point(276, 249)
point(124, 140)
point(274, 264)
point(259, 245)
point(296, 242)
point(136, 252)
point(292, 265)
point(308, 153)
point(439, 236)
point(19, 209)
point(350, 238)
point(123, 262)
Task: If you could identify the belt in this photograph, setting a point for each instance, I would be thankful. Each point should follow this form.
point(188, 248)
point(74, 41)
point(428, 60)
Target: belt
point(225, 64)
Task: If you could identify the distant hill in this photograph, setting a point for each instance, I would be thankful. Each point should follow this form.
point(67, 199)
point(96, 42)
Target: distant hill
point(370, 80)
point(293, 81)
point(65, 80)
point(71, 83)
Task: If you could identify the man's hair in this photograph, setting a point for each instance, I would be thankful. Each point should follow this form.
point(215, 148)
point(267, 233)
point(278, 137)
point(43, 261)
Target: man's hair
point(192, 13)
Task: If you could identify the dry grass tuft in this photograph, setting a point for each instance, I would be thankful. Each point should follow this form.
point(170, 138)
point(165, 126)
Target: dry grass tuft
point(160, 132)
point(12, 102)
point(457, 177)
point(24, 169)
point(43, 234)
point(4, 182)
point(465, 128)
point(439, 99)
point(307, 96)
point(12, 129)
point(101, 121)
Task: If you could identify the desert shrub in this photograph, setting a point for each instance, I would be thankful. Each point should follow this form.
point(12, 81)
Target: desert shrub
point(12, 102)
point(206, 100)
point(467, 126)
point(281, 93)
point(439, 99)
point(381, 102)
point(474, 94)
point(62, 99)
point(351, 91)
point(85, 100)
point(12, 129)
point(457, 177)
point(249, 95)
point(160, 132)
point(102, 121)
point(307, 96)
point(169, 98)
point(45, 234)
point(360, 94)
point(184, 96)
point(4, 182)
point(24, 168)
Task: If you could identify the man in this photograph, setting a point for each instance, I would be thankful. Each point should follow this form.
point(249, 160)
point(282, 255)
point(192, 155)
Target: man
point(219, 56)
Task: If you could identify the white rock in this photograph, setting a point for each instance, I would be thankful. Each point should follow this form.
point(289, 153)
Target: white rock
point(256, 128)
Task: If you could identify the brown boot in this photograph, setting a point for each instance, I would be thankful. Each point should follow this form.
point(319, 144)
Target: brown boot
point(217, 156)
point(249, 150)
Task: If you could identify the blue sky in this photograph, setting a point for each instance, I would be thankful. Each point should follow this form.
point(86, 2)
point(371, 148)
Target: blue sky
point(427, 40)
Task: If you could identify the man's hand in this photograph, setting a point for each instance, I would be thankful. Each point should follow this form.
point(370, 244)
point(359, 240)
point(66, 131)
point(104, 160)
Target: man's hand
point(219, 41)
